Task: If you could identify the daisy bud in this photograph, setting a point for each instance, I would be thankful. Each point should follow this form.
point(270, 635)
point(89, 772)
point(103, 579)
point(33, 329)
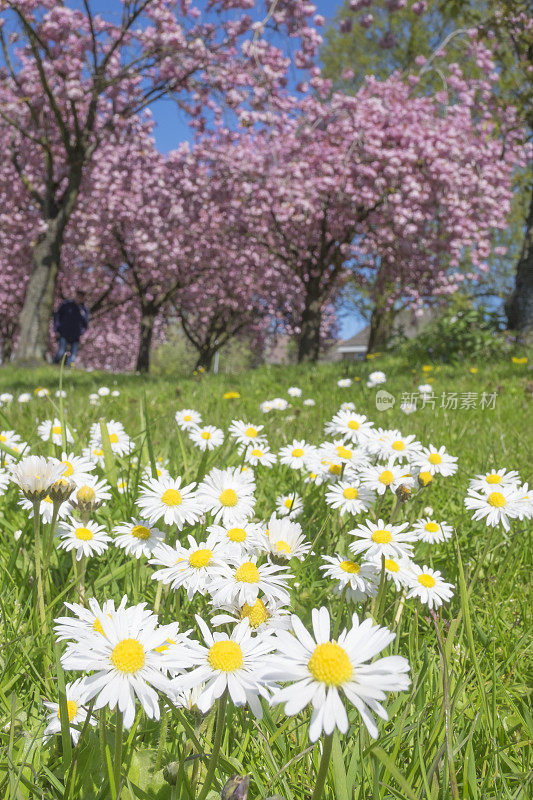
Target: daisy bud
point(404, 492)
point(61, 490)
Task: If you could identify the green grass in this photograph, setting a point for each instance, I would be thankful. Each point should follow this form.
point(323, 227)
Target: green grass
point(467, 711)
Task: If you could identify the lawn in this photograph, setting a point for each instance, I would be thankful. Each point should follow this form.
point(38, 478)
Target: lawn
point(463, 727)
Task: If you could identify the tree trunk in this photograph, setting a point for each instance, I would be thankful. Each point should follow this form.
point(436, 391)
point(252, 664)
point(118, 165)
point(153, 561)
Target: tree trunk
point(205, 358)
point(519, 306)
point(309, 337)
point(145, 340)
point(381, 327)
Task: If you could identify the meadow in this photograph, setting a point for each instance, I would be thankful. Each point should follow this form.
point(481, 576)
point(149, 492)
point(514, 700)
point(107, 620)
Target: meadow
point(461, 728)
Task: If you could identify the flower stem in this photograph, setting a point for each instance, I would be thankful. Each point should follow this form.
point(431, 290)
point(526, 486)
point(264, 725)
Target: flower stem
point(212, 765)
point(117, 762)
point(38, 567)
point(323, 768)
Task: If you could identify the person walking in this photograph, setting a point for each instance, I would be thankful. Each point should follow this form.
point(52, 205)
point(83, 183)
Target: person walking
point(71, 320)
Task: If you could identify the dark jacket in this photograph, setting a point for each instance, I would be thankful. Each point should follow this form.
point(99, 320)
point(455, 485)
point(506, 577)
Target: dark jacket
point(71, 320)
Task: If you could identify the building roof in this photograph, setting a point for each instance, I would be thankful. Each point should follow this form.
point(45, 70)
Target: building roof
point(406, 323)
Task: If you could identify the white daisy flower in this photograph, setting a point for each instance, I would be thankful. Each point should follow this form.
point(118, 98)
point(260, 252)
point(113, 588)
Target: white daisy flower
point(397, 570)
point(279, 403)
point(137, 537)
point(243, 579)
point(6, 398)
point(51, 430)
point(188, 419)
point(294, 391)
point(87, 621)
point(13, 440)
point(95, 454)
point(309, 402)
point(427, 584)
point(165, 498)
point(126, 662)
point(285, 540)
point(425, 389)
point(342, 452)
point(228, 494)
point(524, 502)
point(376, 378)
point(41, 391)
point(378, 539)
point(289, 505)
point(397, 447)
point(91, 492)
point(25, 397)
point(4, 482)
point(46, 508)
point(495, 508)
point(246, 433)
point(75, 694)
point(407, 407)
point(436, 462)
point(121, 444)
point(351, 426)
point(428, 530)
point(319, 669)
point(77, 468)
point(358, 581)
point(35, 475)
point(115, 393)
point(242, 537)
point(263, 615)
point(491, 481)
point(344, 383)
point(233, 663)
point(207, 437)
point(260, 454)
point(103, 391)
point(85, 538)
point(193, 567)
point(266, 406)
point(161, 472)
point(380, 477)
point(350, 497)
point(297, 454)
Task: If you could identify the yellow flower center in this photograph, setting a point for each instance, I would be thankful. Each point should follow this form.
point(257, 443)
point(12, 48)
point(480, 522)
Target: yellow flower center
point(391, 565)
point(86, 494)
point(350, 493)
point(289, 502)
point(229, 497)
point(236, 534)
point(84, 534)
point(98, 452)
point(381, 536)
point(113, 438)
point(425, 478)
point(496, 499)
point(353, 425)
point(164, 646)
point(426, 580)
point(432, 527)
point(250, 432)
point(435, 458)
point(171, 497)
point(350, 566)
point(97, 626)
point(225, 656)
point(398, 445)
point(256, 614)
point(247, 573)
point(140, 532)
point(335, 469)
point(56, 429)
point(297, 452)
point(283, 547)
point(200, 558)
point(344, 452)
point(206, 435)
point(128, 656)
point(257, 452)
point(3, 438)
point(47, 499)
point(330, 664)
point(187, 418)
point(386, 477)
point(72, 710)
point(69, 469)
point(494, 478)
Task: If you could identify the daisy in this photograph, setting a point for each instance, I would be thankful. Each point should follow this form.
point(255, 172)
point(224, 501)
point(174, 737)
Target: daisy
point(115, 393)
point(121, 444)
point(138, 538)
point(87, 622)
point(338, 451)
point(242, 537)
point(41, 391)
point(126, 663)
point(206, 438)
point(407, 407)
point(376, 378)
point(318, 669)
point(378, 539)
point(524, 502)
point(260, 455)
point(493, 480)
point(77, 468)
point(285, 540)
point(242, 580)
point(294, 391)
point(6, 398)
point(397, 570)
point(352, 427)
point(25, 397)
point(46, 508)
point(381, 477)
point(228, 494)
point(90, 494)
point(95, 454)
point(103, 391)
point(426, 390)
point(188, 419)
point(263, 615)
point(51, 430)
point(35, 475)
point(160, 470)
point(350, 497)
point(165, 498)
point(495, 508)
point(428, 530)
point(344, 383)
point(233, 663)
point(75, 694)
point(437, 462)
point(193, 567)
point(246, 432)
point(296, 455)
point(4, 481)
point(358, 581)
point(86, 539)
point(309, 402)
point(427, 584)
point(397, 447)
point(279, 403)
point(266, 406)
point(289, 505)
